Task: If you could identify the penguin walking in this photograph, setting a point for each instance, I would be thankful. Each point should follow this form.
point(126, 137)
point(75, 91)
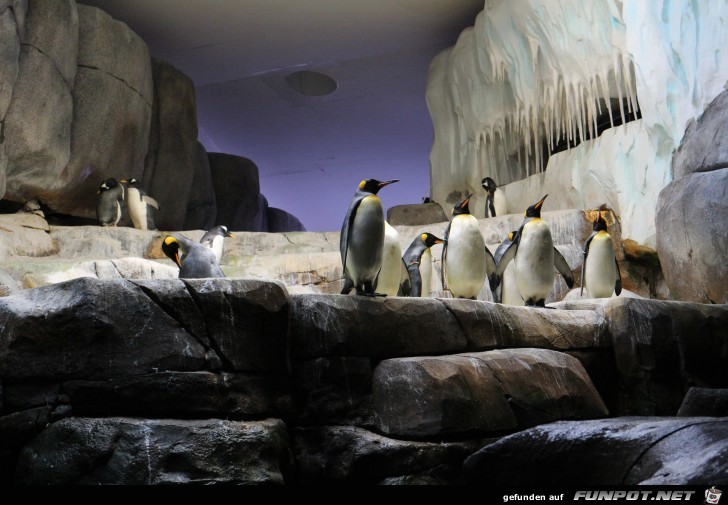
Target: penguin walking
point(494, 201)
point(390, 275)
point(418, 261)
point(196, 260)
point(534, 254)
point(599, 269)
point(214, 238)
point(110, 205)
point(465, 259)
point(138, 203)
point(506, 291)
point(362, 238)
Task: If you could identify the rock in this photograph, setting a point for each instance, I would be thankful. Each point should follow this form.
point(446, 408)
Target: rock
point(704, 146)
point(201, 205)
point(491, 391)
point(281, 221)
point(8, 285)
point(25, 235)
point(260, 220)
point(347, 454)
point(691, 239)
point(416, 214)
point(138, 451)
point(607, 452)
point(18, 428)
point(37, 126)
point(575, 294)
point(171, 161)
point(20, 397)
point(237, 187)
point(704, 402)
point(102, 242)
point(271, 244)
point(122, 268)
point(112, 105)
point(662, 348)
point(182, 395)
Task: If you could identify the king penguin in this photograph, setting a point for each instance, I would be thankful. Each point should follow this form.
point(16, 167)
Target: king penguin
point(535, 256)
point(495, 202)
point(362, 238)
point(390, 276)
point(110, 205)
point(599, 269)
point(138, 204)
point(465, 259)
point(214, 239)
point(418, 261)
point(196, 260)
point(506, 292)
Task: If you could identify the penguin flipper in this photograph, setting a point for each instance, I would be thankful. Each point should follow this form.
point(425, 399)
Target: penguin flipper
point(490, 268)
point(150, 201)
point(444, 255)
point(563, 267)
point(346, 227)
point(583, 261)
point(618, 283)
point(405, 283)
point(507, 255)
point(415, 280)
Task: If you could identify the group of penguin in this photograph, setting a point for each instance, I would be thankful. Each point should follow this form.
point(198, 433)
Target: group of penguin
point(112, 203)
point(520, 273)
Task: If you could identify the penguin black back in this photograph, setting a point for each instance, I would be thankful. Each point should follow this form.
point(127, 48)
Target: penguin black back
point(489, 186)
point(413, 261)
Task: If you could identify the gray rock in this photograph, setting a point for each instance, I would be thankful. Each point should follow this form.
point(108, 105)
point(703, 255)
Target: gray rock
point(260, 221)
point(237, 190)
point(692, 237)
point(662, 348)
point(25, 235)
point(101, 242)
point(704, 146)
point(18, 428)
point(281, 221)
point(52, 28)
point(416, 214)
point(171, 160)
point(182, 395)
point(346, 454)
point(8, 285)
point(489, 391)
point(137, 451)
point(17, 397)
point(12, 24)
point(622, 451)
point(201, 205)
point(704, 402)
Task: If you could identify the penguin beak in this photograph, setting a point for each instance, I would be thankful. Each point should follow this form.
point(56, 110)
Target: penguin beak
point(387, 183)
point(466, 201)
point(229, 234)
point(124, 181)
point(439, 241)
point(176, 260)
point(540, 202)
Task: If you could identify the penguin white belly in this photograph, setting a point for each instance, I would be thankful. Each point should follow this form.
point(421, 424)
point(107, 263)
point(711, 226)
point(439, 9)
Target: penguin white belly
point(137, 209)
point(426, 272)
point(366, 241)
point(509, 293)
point(217, 244)
point(535, 261)
point(118, 213)
point(600, 269)
point(499, 202)
point(465, 269)
point(391, 272)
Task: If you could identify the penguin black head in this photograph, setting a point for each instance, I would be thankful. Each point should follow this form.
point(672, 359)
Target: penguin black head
point(429, 239)
point(600, 224)
point(225, 232)
point(489, 185)
point(170, 247)
point(535, 209)
point(109, 183)
point(373, 186)
point(462, 207)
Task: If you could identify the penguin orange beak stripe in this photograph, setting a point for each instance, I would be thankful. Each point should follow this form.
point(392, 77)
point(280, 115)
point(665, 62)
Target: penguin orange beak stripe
point(387, 183)
point(439, 241)
point(540, 202)
point(176, 260)
point(466, 201)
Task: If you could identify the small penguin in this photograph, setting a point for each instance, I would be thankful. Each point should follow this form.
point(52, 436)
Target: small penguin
point(390, 276)
point(196, 260)
point(465, 259)
point(506, 291)
point(110, 205)
point(599, 269)
point(138, 203)
point(534, 254)
point(418, 261)
point(214, 238)
point(494, 201)
point(362, 238)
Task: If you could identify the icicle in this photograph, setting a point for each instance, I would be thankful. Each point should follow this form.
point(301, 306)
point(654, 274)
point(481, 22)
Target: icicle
point(618, 79)
point(607, 98)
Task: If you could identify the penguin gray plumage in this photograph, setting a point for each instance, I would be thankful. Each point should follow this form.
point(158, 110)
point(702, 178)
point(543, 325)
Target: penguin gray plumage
point(214, 238)
point(535, 256)
point(418, 263)
point(138, 204)
point(110, 205)
point(599, 268)
point(196, 261)
point(466, 261)
point(362, 238)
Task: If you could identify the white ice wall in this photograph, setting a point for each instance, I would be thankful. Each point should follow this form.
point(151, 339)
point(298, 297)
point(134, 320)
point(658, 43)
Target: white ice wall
point(531, 67)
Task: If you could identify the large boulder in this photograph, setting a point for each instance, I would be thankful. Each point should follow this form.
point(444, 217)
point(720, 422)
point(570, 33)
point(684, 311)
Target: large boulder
point(25, 234)
point(171, 162)
point(416, 214)
point(613, 452)
point(237, 190)
point(201, 204)
point(138, 451)
point(704, 402)
point(282, 221)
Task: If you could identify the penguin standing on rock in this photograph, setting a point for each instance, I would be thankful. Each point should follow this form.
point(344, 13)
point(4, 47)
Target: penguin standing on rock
point(139, 204)
point(418, 261)
point(362, 238)
point(465, 259)
point(390, 276)
point(110, 205)
point(599, 269)
point(196, 261)
point(214, 238)
point(494, 200)
point(535, 256)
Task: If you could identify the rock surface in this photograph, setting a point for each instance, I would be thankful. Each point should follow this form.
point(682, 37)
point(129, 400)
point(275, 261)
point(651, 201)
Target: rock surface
point(201, 205)
point(281, 221)
point(25, 234)
point(704, 402)
point(237, 189)
point(416, 214)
